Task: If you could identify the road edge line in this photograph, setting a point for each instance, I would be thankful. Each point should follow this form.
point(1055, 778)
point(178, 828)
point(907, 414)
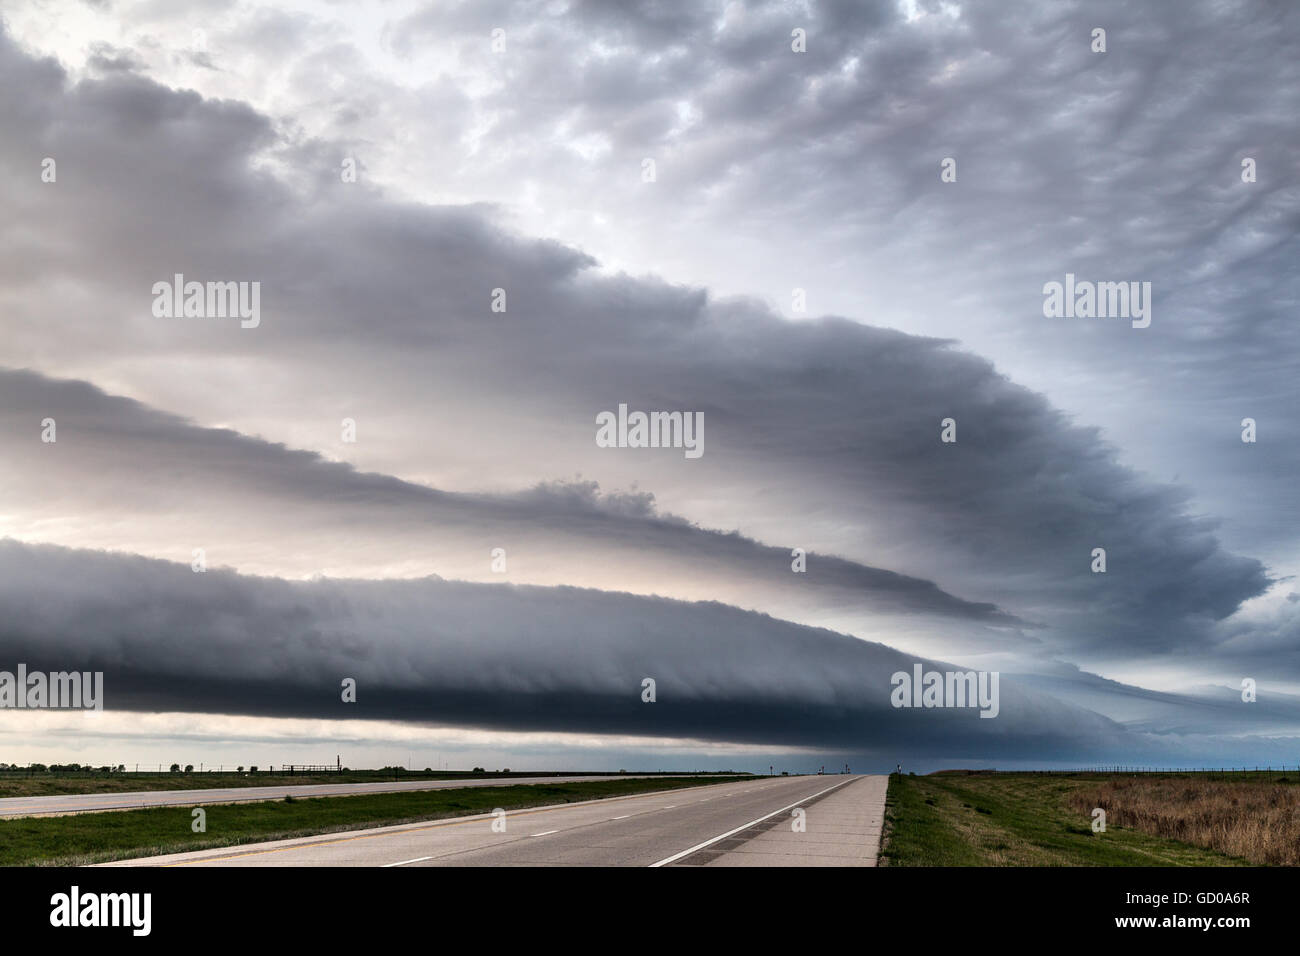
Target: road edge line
point(700, 846)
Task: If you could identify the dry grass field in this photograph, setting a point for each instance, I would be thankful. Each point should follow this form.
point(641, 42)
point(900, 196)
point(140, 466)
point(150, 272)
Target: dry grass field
point(984, 818)
point(1020, 819)
point(1253, 818)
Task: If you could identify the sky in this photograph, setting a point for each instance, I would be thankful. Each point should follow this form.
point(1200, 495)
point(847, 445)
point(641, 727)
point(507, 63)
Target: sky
point(823, 230)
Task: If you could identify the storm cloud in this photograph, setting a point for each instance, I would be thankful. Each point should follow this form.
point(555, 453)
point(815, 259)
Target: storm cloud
point(497, 656)
point(518, 179)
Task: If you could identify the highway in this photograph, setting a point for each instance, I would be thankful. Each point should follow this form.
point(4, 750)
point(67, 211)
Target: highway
point(66, 803)
point(750, 823)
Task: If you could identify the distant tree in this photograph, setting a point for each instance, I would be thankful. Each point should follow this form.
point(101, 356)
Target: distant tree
point(478, 770)
point(240, 768)
point(175, 768)
point(253, 769)
point(189, 768)
point(507, 770)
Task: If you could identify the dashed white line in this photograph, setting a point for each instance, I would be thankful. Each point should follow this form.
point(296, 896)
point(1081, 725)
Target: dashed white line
point(544, 833)
point(418, 859)
point(723, 836)
point(623, 817)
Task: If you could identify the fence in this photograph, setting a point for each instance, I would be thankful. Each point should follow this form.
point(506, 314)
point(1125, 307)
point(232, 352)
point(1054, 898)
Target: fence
point(309, 768)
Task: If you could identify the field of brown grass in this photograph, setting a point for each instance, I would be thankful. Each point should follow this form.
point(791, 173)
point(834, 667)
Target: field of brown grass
point(1255, 818)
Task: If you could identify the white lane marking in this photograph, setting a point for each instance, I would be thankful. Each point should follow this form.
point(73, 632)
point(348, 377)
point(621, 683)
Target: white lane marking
point(671, 806)
point(623, 817)
point(723, 836)
point(544, 833)
point(371, 833)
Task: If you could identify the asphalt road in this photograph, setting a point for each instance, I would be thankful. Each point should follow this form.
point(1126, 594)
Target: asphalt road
point(66, 803)
point(750, 823)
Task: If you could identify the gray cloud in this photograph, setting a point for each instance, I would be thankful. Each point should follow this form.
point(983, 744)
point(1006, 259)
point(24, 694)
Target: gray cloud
point(818, 171)
point(380, 304)
point(821, 171)
point(501, 656)
point(154, 483)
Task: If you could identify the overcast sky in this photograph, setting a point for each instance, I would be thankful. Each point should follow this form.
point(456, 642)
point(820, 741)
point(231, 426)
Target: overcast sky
point(797, 272)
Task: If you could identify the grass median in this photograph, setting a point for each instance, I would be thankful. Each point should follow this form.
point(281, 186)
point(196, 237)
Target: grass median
point(22, 783)
point(1020, 819)
point(121, 834)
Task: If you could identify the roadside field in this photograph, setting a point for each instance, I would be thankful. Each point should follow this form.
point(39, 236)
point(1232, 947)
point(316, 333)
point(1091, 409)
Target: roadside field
point(1022, 819)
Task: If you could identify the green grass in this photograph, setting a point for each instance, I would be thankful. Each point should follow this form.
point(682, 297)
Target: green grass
point(100, 837)
point(995, 819)
point(41, 783)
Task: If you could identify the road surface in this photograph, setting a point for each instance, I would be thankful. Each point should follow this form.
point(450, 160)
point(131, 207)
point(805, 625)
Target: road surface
point(750, 823)
point(66, 803)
